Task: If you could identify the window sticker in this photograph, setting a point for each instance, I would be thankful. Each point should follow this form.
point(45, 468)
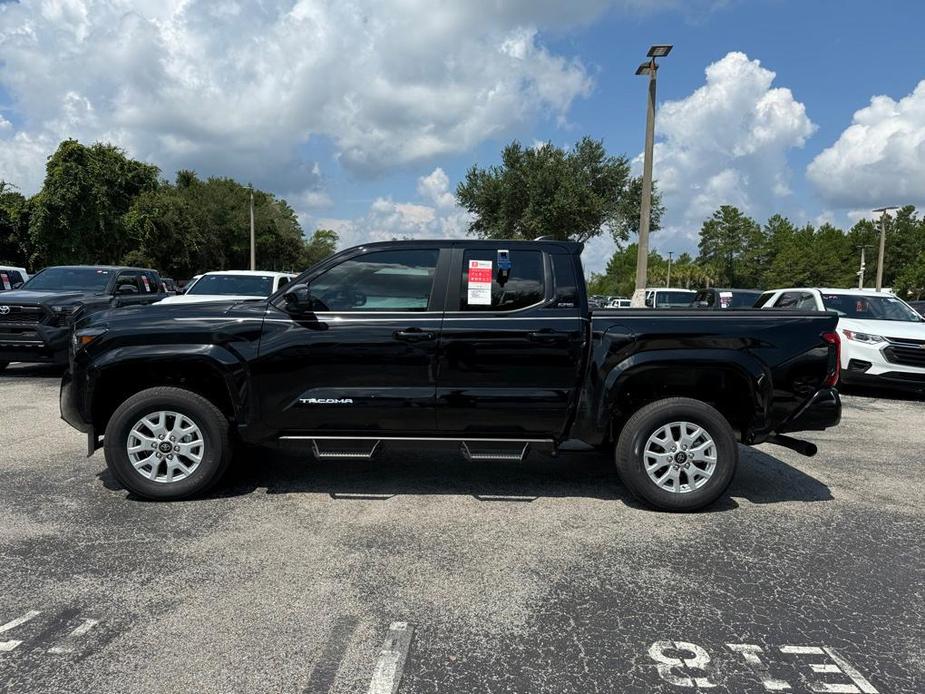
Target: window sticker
point(5, 278)
point(144, 281)
point(725, 299)
point(479, 283)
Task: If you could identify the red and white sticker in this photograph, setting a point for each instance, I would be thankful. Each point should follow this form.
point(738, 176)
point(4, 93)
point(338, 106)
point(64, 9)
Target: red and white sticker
point(144, 281)
point(479, 285)
point(725, 299)
point(5, 278)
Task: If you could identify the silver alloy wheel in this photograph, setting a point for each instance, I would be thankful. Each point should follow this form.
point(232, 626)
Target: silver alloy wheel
point(680, 457)
point(165, 446)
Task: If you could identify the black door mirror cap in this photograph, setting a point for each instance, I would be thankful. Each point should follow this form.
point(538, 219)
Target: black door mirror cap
point(299, 300)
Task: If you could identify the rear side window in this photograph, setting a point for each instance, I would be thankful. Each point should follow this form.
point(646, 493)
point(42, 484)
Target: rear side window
point(763, 299)
point(566, 285)
point(483, 286)
point(796, 301)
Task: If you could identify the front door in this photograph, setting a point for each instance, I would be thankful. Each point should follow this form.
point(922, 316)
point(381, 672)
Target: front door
point(364, 362)
point(510, 356)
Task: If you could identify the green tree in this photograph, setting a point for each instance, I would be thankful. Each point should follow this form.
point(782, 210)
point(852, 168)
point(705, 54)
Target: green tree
point(14, 227)
point(575, 193)
point(735, 245)
point(322, 244)
point(77, 216)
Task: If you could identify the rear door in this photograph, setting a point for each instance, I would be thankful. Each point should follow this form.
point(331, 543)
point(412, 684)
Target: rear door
point(512, 346)
point(365, 361)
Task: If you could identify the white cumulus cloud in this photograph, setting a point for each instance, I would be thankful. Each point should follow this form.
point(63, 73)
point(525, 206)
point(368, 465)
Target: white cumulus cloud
point(236, 88)
point(726, 143)
point(434, 216)
point(879, 159)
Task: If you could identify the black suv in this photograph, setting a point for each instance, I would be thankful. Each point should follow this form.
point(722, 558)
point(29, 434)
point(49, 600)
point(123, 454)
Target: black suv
point(35, 320)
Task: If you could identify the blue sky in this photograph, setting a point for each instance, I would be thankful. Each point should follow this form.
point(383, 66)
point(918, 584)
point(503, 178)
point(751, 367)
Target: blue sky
point(365, 115)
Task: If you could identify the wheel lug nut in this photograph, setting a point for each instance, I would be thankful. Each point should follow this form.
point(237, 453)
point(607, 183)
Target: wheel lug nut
point(170, 456)
point(160, 436)
point(173, 438)
point(176, 448)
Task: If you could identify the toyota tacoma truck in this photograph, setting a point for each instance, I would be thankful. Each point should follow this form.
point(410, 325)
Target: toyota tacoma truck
point(35, 320)
point(489, 344)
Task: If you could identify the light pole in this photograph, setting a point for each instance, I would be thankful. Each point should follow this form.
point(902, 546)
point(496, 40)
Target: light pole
point(883, 215)
point(253, 240)
point(649, 68)
point(863, 266)
point(668, 279)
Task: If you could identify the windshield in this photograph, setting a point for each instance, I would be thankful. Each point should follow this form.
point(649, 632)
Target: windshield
point(870, 307)
point(673, 299)
point(238, 285)
point(83, 279)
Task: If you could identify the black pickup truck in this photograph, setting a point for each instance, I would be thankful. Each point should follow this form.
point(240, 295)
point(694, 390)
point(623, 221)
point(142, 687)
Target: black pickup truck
point(488, 344)
point(36, 319)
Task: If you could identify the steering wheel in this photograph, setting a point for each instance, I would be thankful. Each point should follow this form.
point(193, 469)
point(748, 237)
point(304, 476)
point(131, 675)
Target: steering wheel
point(343, 298)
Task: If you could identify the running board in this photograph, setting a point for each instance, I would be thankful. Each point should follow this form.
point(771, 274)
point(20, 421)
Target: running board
point(344, 449)
point(513, 452)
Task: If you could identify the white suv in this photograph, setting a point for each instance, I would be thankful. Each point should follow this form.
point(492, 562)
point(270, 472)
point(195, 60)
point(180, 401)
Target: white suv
point(882, 337)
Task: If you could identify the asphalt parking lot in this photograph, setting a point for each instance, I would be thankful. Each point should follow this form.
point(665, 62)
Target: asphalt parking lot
point(425, 573)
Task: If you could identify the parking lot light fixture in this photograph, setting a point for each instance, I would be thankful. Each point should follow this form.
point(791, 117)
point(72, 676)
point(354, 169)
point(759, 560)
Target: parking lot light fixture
point(649, 68)
point(883, 215)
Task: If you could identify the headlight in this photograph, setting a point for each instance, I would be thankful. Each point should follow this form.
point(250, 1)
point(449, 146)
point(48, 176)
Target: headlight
point(866, 338)
point(65, 310)
point(82, 338)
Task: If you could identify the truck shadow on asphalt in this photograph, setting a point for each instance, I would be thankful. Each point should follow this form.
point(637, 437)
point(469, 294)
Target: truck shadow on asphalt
point(761, 478)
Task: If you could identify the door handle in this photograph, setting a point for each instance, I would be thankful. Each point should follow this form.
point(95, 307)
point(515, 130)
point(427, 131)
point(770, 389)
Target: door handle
point(548, 336)
point(413, 335)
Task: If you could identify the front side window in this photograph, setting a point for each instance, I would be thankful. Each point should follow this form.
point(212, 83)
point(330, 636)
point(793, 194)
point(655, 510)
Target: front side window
point(796, 301)
point(380, 281)
point(484, 286)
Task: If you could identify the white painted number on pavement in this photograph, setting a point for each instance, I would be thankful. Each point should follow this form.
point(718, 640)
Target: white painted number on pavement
point(685, 664)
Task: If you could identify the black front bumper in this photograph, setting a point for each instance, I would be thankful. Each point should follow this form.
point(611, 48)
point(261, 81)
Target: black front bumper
point(821, 411)
point(40, 344)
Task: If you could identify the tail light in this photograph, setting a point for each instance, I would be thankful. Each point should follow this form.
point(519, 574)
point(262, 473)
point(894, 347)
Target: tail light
point(831, 378)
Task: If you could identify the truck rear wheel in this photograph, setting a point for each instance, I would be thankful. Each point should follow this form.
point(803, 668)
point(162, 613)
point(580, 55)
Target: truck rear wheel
point(167, 443)
point(677, 454)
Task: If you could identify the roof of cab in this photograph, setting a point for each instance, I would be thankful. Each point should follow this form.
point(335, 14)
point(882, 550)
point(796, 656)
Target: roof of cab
point(551, 245)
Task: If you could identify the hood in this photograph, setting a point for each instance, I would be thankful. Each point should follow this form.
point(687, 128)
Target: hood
point(28, 297)
point(885, 328)
point(207, 298)
point(152, 314)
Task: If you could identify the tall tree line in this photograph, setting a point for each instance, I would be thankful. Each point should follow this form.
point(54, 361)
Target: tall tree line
point(737, 251)
point(98, 206)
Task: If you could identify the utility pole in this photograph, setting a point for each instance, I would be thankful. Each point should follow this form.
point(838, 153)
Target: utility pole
point(253, 241)
point(883, 215)
point(860, 272)
point(668, 280)
point(645, 209)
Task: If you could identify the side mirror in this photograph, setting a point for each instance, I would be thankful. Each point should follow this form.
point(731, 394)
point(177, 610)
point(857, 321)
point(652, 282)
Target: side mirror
point(299, 300)
point(17, 285)
point(126, 289)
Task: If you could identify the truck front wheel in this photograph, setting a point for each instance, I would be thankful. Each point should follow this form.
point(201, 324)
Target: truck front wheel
point(677, 454)
point(167, 443)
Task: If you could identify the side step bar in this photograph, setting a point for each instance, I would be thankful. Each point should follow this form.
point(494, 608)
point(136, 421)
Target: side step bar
point(364, 447)
point(515, 451)
point(344, 448)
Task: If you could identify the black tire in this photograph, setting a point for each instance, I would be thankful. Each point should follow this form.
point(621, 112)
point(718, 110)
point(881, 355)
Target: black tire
point(646, 422)
point(212, 423)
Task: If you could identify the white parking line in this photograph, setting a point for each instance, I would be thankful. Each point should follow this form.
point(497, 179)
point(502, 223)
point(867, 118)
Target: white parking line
point(10, 645)
point(391, 662)
point(68, 646)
